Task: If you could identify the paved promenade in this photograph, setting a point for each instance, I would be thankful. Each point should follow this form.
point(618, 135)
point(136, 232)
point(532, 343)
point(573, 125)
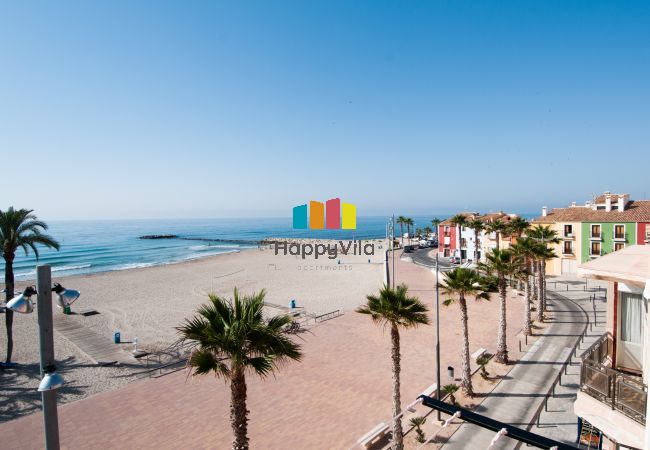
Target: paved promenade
point(340, 391)
point(518, 397)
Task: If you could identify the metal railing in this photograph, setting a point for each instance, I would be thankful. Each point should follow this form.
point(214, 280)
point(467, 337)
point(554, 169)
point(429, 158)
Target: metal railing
point(623, 392)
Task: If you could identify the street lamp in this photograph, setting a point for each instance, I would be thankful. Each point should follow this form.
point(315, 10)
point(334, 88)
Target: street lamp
point(22, 303)
point(50, 380)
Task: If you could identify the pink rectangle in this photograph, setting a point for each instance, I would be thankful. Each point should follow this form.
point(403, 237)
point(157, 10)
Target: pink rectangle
point(333, 213)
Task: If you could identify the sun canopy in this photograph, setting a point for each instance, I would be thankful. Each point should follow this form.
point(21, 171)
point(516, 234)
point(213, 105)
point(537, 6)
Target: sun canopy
point(631, 264)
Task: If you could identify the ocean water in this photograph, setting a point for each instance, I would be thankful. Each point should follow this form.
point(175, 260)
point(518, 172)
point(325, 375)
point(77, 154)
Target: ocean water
point(107, 245)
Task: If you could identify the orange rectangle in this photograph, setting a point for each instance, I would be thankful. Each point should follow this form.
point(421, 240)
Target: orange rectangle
point(316, 215)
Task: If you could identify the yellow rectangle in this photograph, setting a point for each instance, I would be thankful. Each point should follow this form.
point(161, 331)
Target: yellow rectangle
point(316, 215)
point(349, 216)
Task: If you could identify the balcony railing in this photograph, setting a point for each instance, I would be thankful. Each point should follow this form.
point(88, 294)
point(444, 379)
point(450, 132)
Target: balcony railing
point(619, 237)
point(623, 392)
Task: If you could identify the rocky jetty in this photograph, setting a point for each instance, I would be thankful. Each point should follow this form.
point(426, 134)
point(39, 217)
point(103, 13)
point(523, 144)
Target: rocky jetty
point(159, 236)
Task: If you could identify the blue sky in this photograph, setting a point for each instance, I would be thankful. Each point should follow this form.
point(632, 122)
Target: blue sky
point(233, 109)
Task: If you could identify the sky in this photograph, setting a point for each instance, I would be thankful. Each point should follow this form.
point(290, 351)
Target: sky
point(157, 109)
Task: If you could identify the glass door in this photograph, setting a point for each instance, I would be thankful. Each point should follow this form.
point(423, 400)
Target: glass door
point(630, 331)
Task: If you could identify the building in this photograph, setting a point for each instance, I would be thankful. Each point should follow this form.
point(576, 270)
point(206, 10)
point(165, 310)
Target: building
point(464, 245)
point(612, 402)
point(604, 225)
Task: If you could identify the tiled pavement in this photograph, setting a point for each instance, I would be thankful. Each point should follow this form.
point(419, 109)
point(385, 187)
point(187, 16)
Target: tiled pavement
point(341, 390)
point(517, 398)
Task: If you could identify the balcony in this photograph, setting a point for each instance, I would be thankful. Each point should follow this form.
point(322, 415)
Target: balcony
point(619, 391)
point(596, 237)
point(619, 237)
point(568, 236)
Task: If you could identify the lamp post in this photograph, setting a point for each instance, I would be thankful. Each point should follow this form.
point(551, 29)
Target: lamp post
point(437, 335)
point(46, 340)
point(50, 379)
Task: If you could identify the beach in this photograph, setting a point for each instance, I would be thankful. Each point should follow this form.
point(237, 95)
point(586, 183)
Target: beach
point(149, 303)
point(340, 390)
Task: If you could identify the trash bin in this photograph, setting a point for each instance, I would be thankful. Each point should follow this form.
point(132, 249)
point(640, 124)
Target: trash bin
point(292, 304)
point(66, 309)
point(116, 337)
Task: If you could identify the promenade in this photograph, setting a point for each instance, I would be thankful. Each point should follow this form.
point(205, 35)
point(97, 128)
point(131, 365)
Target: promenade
point(520, 396)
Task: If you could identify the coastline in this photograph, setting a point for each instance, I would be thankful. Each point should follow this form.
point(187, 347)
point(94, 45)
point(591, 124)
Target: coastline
point(148, 303)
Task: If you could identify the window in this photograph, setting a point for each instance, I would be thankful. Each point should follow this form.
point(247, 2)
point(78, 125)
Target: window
point(619, 246)
point(619, 231)
point(595, 231)
point(463, 242)
point(647, 234)
point(568, 230)
point(595, 249)
point(631, 317)
point(446, 230)
point(568, 248)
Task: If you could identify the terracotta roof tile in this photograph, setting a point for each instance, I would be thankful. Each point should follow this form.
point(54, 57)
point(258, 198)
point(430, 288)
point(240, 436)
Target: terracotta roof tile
point(635, 211)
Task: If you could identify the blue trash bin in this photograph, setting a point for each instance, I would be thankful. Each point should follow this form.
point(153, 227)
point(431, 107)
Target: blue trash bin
point(116, 337)
point(292, 304)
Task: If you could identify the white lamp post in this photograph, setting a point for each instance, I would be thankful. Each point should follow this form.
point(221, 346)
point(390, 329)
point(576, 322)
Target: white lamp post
point(51, 380)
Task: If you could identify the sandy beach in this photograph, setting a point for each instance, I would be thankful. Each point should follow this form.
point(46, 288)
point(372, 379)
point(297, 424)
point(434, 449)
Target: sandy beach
point(339, 392)
point(148, 303)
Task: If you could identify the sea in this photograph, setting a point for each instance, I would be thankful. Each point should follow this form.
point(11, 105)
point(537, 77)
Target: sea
point(106, 245)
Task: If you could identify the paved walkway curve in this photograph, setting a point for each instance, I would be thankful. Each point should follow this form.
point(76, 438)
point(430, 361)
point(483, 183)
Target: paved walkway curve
point(517, 397)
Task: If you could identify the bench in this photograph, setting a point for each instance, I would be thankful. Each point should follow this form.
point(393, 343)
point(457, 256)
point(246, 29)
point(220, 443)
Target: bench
point(366, 440)
point(478, 353)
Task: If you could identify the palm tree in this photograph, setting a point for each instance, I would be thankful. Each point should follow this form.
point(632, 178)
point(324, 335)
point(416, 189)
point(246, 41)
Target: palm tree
point(19, 228)
point(477, 225)
point(417, 422)
point(409, 223)
point(232, 338)
point(497, 227)
point(427, 231)
point(517, 226)
point(545, 235)
point(525, 249)
point(450, 389)
point(396, 309)
point(435, 222)
point(459, 221)
point(401, 220)
point(419, 233)
point(458, 284)
point(503, 264)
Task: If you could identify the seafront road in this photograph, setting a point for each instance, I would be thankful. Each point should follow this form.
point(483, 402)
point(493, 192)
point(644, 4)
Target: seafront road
point(518, 397)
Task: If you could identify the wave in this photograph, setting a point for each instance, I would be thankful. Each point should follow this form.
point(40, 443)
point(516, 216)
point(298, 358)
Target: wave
point(202, 248)
point(64, 268)
point(133, 266)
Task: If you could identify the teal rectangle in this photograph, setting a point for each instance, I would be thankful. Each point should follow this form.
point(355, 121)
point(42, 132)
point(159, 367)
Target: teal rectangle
point(300, 217)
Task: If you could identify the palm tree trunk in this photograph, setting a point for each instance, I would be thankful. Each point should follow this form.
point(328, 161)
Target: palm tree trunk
point(498, 240)
point(502, 346)
point(527, 324)
point(540, 294)
point(542, 282)
point(9, 294)
point(475, 246)
point(238, 411)
point(401, 231)
point(398, 436)
point(460, 246)
point(466, 373)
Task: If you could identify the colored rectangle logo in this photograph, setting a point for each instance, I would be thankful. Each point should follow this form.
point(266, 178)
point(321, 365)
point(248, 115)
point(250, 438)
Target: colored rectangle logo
point(316, 215)
point(349, 213)
point(300, 217)
point(333, 213)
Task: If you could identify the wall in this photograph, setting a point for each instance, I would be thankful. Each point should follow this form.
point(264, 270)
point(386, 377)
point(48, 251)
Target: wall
point(640, 232)
point(607, 237)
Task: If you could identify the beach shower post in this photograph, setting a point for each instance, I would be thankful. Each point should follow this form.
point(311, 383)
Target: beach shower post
point(51, 380)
